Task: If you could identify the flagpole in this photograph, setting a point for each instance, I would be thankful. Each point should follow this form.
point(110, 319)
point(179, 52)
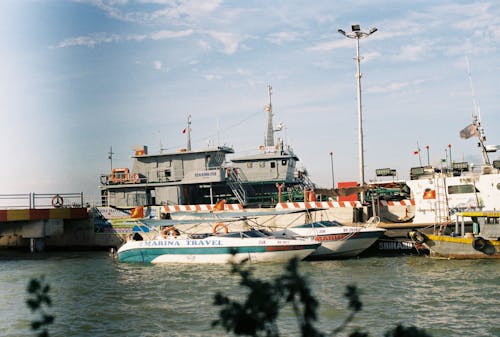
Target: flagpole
point(419, 156)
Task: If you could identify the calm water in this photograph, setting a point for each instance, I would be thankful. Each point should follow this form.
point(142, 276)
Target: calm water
point(94, 295)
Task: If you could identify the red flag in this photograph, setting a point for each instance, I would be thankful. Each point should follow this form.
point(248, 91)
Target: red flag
point(416, 152)
point(184, 130)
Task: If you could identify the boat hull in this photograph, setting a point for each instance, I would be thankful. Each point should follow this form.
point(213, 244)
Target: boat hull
point(460, 248)
point(213, 250)
point(345, 245)
point(338, 241)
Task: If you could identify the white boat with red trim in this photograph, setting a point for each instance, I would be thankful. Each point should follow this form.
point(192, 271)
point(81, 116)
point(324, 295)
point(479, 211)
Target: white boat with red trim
point(252, 245)
point(337, 240)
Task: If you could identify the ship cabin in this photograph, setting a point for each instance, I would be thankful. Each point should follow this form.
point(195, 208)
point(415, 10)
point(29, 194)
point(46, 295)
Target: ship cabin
point(270, 175)
point(267, 167)
point(181, 177)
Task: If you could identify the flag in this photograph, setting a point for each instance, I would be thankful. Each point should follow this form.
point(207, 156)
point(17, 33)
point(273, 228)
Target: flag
point(469, 131)
point(184, 130)
point(416, 152)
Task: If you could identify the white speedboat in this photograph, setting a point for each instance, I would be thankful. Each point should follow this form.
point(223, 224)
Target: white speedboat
point(252, 245)
point(336, 239)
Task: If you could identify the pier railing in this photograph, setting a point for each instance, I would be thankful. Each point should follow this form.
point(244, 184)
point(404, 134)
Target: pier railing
point(41, 200)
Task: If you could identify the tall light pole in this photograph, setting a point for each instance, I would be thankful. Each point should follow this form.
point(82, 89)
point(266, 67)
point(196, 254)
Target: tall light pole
point(357, 34)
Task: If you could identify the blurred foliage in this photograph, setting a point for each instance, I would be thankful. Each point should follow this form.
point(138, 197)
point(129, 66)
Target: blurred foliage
point(38, 302)
point(258, 313)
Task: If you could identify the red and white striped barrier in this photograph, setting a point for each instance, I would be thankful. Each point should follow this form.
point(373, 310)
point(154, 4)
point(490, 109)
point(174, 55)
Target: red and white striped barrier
point(318, 204)
point(197, 208)
point(398, 203)
point(337, 204)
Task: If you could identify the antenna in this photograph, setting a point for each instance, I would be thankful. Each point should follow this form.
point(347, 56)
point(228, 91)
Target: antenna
point(419, 156)
point(159, 139)
point(110, 157)
point(188, 130)
point(476, 118)
point(269, 109)
point(476, 113)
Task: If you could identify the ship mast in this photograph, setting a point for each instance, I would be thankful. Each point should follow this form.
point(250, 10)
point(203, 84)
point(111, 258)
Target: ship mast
point(188, 131)
point(476, 119)
point(269, 109)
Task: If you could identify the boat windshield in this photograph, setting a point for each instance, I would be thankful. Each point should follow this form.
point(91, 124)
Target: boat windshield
point(254, 233)
point(317, 224)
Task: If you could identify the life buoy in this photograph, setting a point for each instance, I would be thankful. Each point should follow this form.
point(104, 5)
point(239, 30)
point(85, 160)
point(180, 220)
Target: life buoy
point(57, 201)
point(417, 236)
point(219, 225)
point(171, 229)
point(479, 243)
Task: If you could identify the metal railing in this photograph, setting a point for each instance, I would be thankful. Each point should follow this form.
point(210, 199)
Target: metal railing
point(41, 200)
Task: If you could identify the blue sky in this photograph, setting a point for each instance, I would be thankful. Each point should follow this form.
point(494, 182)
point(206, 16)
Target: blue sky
point(77, 77)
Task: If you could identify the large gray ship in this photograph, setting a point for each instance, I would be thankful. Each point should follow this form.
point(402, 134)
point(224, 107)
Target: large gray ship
point(204, 176)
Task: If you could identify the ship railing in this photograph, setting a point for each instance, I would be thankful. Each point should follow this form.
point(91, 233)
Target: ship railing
point(41, 200)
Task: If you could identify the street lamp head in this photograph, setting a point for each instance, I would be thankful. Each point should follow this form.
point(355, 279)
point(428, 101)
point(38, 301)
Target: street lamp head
point(355, 28)
point(373, 30)
point(342, 32)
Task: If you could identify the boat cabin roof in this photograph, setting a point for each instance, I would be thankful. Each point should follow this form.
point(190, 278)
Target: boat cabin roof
point(486, 214)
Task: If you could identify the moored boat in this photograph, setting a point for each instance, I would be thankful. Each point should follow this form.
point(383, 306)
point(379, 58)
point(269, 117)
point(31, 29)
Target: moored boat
point(252, 245)
point(337, 240)
point(482, 243)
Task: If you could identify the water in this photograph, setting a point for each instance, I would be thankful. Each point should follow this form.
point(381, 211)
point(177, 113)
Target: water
point(93, 295)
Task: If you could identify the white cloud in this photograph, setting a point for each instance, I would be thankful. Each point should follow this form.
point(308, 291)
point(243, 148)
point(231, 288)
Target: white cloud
point(169, 34)
point(89, 41)
point(413, 52)
point(204, 45)
point(100, 38)
point(212, 77)
point(395, 86)
point(331, 45)
point(186, 10)
point(280, 38)
point(230, 41)
point(243, 72)
point(157, 64)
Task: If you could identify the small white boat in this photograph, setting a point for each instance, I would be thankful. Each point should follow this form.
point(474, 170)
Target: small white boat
point(253, 245)
point(336, 239)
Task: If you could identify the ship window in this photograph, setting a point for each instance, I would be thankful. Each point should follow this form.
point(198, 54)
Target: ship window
point(283, 162)
point(249, 165)
point(262, 164)
point(459, 189)
point(273, 164)
point(168, 173)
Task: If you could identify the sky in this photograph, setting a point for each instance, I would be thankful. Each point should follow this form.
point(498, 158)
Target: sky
point(77, 77)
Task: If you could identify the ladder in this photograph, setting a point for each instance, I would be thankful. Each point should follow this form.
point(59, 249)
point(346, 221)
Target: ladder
point(236, 181)
point(442, 210)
